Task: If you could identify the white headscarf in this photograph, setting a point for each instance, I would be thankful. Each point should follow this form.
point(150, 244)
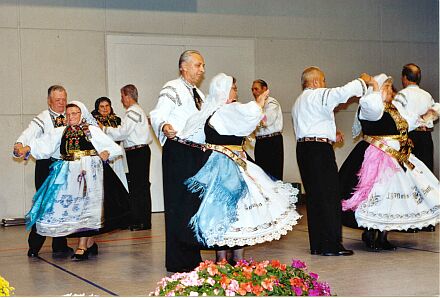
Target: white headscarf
point(85, 114)
point(219, 89)
point(380, 79)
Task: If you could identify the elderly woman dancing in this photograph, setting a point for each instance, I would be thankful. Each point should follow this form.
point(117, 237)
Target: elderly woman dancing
point(82, 196)
point(386, 185)
point(241, 205)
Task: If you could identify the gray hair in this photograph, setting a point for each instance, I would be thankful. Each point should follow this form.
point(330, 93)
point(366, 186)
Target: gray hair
point(53, 88)
point(130, 90)
point(186, 55)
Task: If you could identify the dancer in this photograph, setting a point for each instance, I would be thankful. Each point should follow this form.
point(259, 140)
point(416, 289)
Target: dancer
point(395, 190)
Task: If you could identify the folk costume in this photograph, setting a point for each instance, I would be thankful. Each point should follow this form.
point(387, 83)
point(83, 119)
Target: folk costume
point(134, 132)
point(394, 190)
point(241, 204)
point(82, 196)
point(269, 148)
point(315, 130)
point(179, 101)
point(43, 123)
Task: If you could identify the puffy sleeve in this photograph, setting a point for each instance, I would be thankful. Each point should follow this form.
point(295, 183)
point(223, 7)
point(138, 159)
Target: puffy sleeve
point(332, 97)
point(372, 107)
point(166, 103)
point(102, 142)
point(237, 119)
point(47, 144)
point(128, 125)
point(34, 130)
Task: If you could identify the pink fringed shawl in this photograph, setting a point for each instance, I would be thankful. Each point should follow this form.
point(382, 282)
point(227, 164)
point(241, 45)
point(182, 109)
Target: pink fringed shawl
point(377, 165)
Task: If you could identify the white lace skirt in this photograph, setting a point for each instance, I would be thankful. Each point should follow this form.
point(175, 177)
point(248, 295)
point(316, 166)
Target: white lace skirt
point(78, 205)
point(266, 213)
point(402, 200)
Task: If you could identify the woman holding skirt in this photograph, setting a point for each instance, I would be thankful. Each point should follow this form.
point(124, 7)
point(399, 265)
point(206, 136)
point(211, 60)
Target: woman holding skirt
point(82, 196)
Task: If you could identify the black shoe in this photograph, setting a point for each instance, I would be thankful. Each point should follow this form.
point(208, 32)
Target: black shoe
point(410, 231)
point(369, 237)
point(345, 252)
point(140, 227)
point(93, 250)
point(80, 257)
point(32, 253)
point(429, 228)
point(386, 245)
point(63, 253)
point(315, 252)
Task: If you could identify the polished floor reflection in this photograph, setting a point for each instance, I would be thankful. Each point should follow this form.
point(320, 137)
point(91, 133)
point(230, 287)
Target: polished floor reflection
point(131, 263)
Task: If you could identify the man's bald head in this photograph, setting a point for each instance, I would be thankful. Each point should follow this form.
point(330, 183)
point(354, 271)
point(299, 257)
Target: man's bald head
point(312, 77)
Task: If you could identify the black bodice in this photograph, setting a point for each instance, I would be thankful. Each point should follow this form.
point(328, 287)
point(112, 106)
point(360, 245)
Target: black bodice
point(213, 137)
point(75, 138)
point(384, 126)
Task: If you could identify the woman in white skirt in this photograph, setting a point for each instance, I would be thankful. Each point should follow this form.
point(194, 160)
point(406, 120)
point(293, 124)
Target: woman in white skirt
point(395, 190)
point(241, 205)
point(82, 196)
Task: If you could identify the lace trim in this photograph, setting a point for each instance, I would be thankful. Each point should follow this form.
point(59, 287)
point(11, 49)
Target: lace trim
point(280, 226)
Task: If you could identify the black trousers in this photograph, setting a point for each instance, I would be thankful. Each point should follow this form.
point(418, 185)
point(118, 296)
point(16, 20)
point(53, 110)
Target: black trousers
point(35, 240)
point(423, 147)
point(319, 174)
point(269, 155)
point(138, 161)
point(179, 162)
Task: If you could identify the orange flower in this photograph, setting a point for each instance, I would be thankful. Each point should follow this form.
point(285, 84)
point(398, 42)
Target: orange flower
point(260, 270)
point(246, 287)
point(267, 284)
point(275, 263)
point(297, 282)
point(224, 281)
point(212, 269)
point(257, 289)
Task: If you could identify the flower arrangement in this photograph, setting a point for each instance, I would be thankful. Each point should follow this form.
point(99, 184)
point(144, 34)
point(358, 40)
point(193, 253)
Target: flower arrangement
point(246, 278)
point(5, 288)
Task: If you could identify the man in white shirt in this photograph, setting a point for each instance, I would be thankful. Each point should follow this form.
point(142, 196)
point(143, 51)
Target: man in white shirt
point(178, 100)
point(315, 130)
point(417, 102)
point(44, 123)
point(269, 149)
point(134, 132)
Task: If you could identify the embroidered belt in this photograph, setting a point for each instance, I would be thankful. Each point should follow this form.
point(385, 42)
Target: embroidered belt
point(228, 152)
point(424, 128)
point(76, 155)
point(234, 147)
point(135, 147)
point(225, 149)
point(401, 156)
point(269, 135)
point(315, 139)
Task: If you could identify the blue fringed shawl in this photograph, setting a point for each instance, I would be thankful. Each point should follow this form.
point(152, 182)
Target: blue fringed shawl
point(221, 186)
point(46, 195)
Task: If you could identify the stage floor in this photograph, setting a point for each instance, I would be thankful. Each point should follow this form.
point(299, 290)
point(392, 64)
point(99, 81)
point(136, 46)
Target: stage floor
point(131, 263)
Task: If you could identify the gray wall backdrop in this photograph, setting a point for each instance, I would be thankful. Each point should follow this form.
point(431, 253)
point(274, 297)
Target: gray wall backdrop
point(63, 42)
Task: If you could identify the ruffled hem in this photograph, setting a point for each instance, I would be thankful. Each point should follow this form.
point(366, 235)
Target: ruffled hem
point(263, 237)
point(397, 226)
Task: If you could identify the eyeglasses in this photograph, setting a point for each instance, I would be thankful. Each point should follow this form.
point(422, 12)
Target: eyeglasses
point(72, 114)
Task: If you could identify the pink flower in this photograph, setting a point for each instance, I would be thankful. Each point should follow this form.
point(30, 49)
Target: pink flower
point(267, 284)
point(234, 286)
point(314, 275)
point(298, 264)
point(298, 291)
point(229, 293)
